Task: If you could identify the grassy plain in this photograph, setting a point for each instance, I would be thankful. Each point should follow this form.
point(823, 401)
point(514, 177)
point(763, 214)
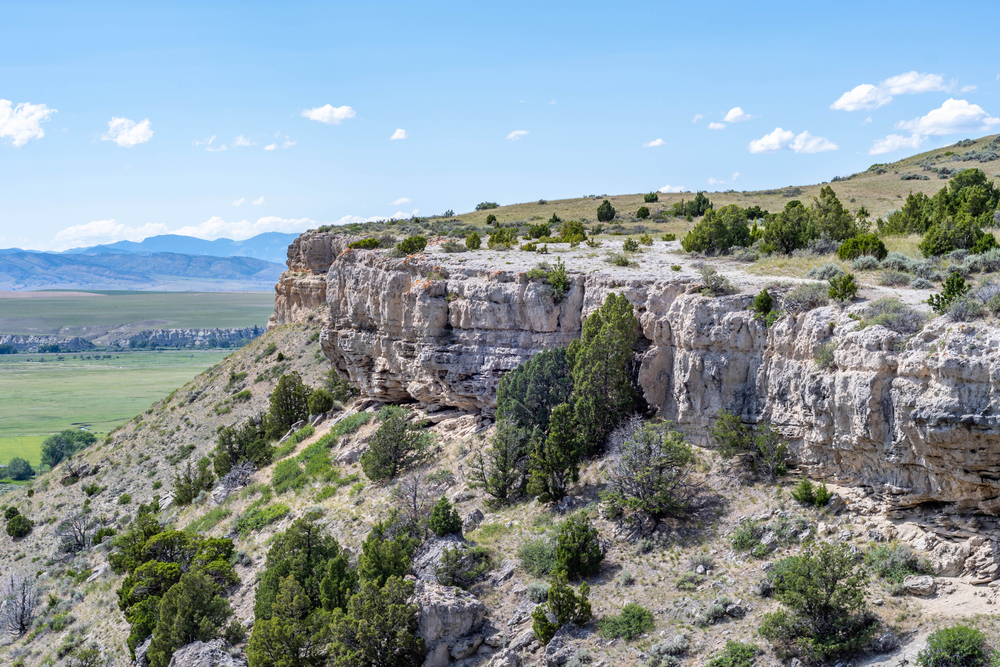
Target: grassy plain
point(74, 314)
point(38, 398)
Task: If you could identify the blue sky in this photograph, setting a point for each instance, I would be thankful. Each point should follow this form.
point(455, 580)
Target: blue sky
point(107, 108)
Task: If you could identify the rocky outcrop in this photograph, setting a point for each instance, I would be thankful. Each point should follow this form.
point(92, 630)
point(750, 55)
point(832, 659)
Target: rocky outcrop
point(302, 289)
point(216, 653)
point(917, 419)
point(449, 621)
point(32, 343)
point(230, 337)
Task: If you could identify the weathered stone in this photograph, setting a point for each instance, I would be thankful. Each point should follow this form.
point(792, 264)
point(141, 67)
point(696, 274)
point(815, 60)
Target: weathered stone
point(465, 646)
point(560, 648)
point(446, 612)
point(140, 653)
point(472, 521)
point(506, 658)
point(919, 585)
point(885, 415)
point(216, 653)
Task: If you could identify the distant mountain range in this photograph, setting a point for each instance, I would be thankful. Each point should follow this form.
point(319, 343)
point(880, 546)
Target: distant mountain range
point(270, 246)
point(21, 270)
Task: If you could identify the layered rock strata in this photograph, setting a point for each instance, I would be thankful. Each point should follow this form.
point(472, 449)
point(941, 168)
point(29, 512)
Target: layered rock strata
point(914, 418)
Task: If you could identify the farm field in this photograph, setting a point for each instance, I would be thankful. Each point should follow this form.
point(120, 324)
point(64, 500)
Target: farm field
point(38, 398)
point(82, 313)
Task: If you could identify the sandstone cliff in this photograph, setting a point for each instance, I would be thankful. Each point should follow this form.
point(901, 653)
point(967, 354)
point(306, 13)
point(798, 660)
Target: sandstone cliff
point(915, 419)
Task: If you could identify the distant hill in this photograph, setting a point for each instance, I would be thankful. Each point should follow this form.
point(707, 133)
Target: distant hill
point(271, 246)
point(132, 271)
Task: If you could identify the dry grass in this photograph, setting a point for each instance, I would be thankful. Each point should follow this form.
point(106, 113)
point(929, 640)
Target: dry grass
point(793, 266)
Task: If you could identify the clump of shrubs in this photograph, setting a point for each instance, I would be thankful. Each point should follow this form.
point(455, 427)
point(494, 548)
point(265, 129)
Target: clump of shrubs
point(957, 646)
point(809, 494)
point(412, 245)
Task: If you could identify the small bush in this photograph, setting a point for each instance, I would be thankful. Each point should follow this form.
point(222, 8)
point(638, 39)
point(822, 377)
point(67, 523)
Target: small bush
point(630, 245)
point(444, 519)
point(890, 278)
point(825, 354)
point(461, 567)
point(502, 239)
point(124, 499)
point(633, 621)
point(538, 557)
point(619, 259)
point(364, 244)
point(825, 272)
point(843, 288)
point(897, 261)
point(715, 283)
point(864, 263)
point(538, 592)
point(689, 581)
point(762, 303)
point(578, 547)
point(669, 237)
point(642, 213)
point(957, 646)
point(735, 654)
point(862, 244)
point(626, 578)
point(412, 245)
point(645, 239)
point(894, 562)
point(605, 212)
point(18, 526)
point(805, 492)
point(964, 309)
point(893, 314)
point(650, 197)
point(921, 283)
point(807, 297)
point(746, 536)
point(472, 241)
point(954, 288)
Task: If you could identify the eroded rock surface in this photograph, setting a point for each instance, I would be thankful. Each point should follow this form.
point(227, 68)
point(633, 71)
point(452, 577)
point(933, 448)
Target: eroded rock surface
point(915, 418)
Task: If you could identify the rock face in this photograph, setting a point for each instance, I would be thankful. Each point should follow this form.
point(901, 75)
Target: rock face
point(449, 621)
point(917, 419)
point(32, 343)
point(185, 337)
point(215, 653)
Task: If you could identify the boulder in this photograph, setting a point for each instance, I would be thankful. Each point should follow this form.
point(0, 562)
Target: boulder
point(448, 620)
point(216, 653)
point(428, 557)
point(560, 648)
point(506, 658)
point(472, 521)
point(920, 585)
point(140, 653)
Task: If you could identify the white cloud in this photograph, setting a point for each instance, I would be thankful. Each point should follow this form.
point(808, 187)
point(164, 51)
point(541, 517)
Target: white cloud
point(867, 96)
point(697, 117)
point(866, 120)
point(716, 126)
point(241, 200)
point(103, 231)
point(735, 115)
point(216, 150)
point(398, 134)
point(715, 181)
point(654, 143)
point(216, 228)
point(517, 134)
point(951, 117)
point(736, 175)
point(913, 83)
point(398, 215)
point(270, 147)
point(801, 143)
point(895, 142)
point(401, 201)
point(967, 89)
point(127, 133)
point(288, 143)
point(328, 114)
point(206, 142)
point(772, 142)
point(552, 102)
point(673, 188)
point(259, 201)
point(807, 143)
point(23, 123)
point(242, 141)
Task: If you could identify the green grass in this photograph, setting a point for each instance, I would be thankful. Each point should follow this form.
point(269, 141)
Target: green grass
point(41, 398)
point(26, 446)
point(166, 310)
